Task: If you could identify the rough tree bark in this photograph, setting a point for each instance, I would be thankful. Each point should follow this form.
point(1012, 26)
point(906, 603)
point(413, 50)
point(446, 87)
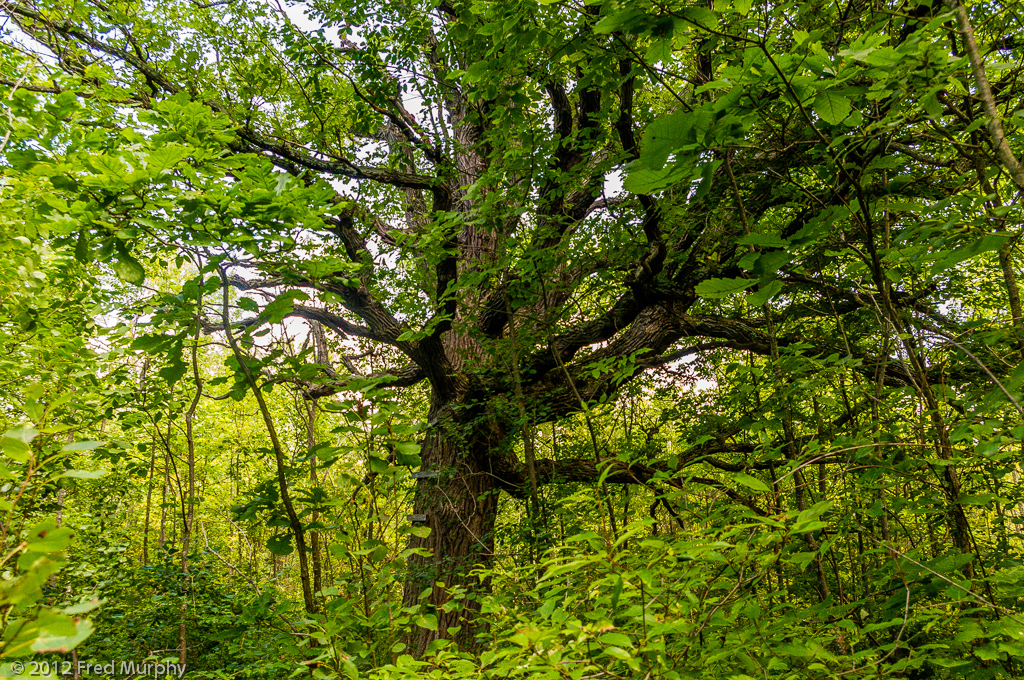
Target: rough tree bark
point(460, 505)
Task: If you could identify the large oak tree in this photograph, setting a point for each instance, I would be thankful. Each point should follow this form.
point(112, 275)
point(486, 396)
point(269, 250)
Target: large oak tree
point(443, 181)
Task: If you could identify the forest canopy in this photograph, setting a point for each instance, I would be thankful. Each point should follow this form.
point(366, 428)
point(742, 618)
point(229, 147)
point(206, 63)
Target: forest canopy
point(539, 338)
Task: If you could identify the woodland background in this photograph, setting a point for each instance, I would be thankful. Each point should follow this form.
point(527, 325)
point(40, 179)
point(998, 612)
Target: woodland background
point(521, 339)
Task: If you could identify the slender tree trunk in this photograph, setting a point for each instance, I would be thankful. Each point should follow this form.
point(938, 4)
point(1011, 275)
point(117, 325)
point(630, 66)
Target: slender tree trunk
point(314, 536)
point(163, 502)
point(323, 358)
point(959, 525)
point(149, 505)
point(950, 480)
point(1012, 291)
point(298, 531)
point(186, 529)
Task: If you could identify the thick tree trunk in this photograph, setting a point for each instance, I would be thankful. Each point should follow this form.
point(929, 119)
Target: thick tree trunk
point(460, 505)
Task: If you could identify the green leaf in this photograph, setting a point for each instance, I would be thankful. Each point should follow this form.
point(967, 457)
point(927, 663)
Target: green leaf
point(702, 16)
point(617, 594)
point(807, 520)
point(831, 107)
point(765, 293)
point(150, 343)
point(282, 306)
point(617, 639)
point(407, 454)
point(763, 240)
point(715, 289)
point(983, 244)
point(671, 133)
point(83, 474)
point(617, 652)
point(378, 464)
point(15, 442)
point(83, 607)
point(63, 643)
point(769, 264)
point(15, 449)
point(45, 538)
point(374, 549)
point(126, 267)
point(707, 176)
point(248, 304)
point(641, 179)
point(618, 20)
point(83, 250)
point(280, 545)
point(428, 621)
point(23, 433)
point(751, 482)
point(82, 446)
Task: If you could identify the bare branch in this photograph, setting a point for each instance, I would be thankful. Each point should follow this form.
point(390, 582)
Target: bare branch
point(337, 166)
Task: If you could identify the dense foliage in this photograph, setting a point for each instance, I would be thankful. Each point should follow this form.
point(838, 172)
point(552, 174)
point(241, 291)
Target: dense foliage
point(521, 339)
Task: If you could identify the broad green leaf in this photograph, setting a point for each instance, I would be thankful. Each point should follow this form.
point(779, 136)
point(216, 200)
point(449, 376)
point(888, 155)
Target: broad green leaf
point(83, 474)
point(716, 289)
point(82, 446)
point(280, 545)
point(617, 639)
point(641, 179)
point(619, 20)
point(49, 642)
point(831, 107)
point(248, 304)
point(23, 433)
point(765, 293)
point(763, 240)
point(46, 537)
point(407, 454)
point(617, 652)
point(419, 531)
point(127, 268)
point(984, 244)
point(428, 621)
point(751, 482)
point(807, 520)
point(282, 306)
point(83, 608)
point(378, 464)
point(701, 16)
point(15, 442)
point(16, 449)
